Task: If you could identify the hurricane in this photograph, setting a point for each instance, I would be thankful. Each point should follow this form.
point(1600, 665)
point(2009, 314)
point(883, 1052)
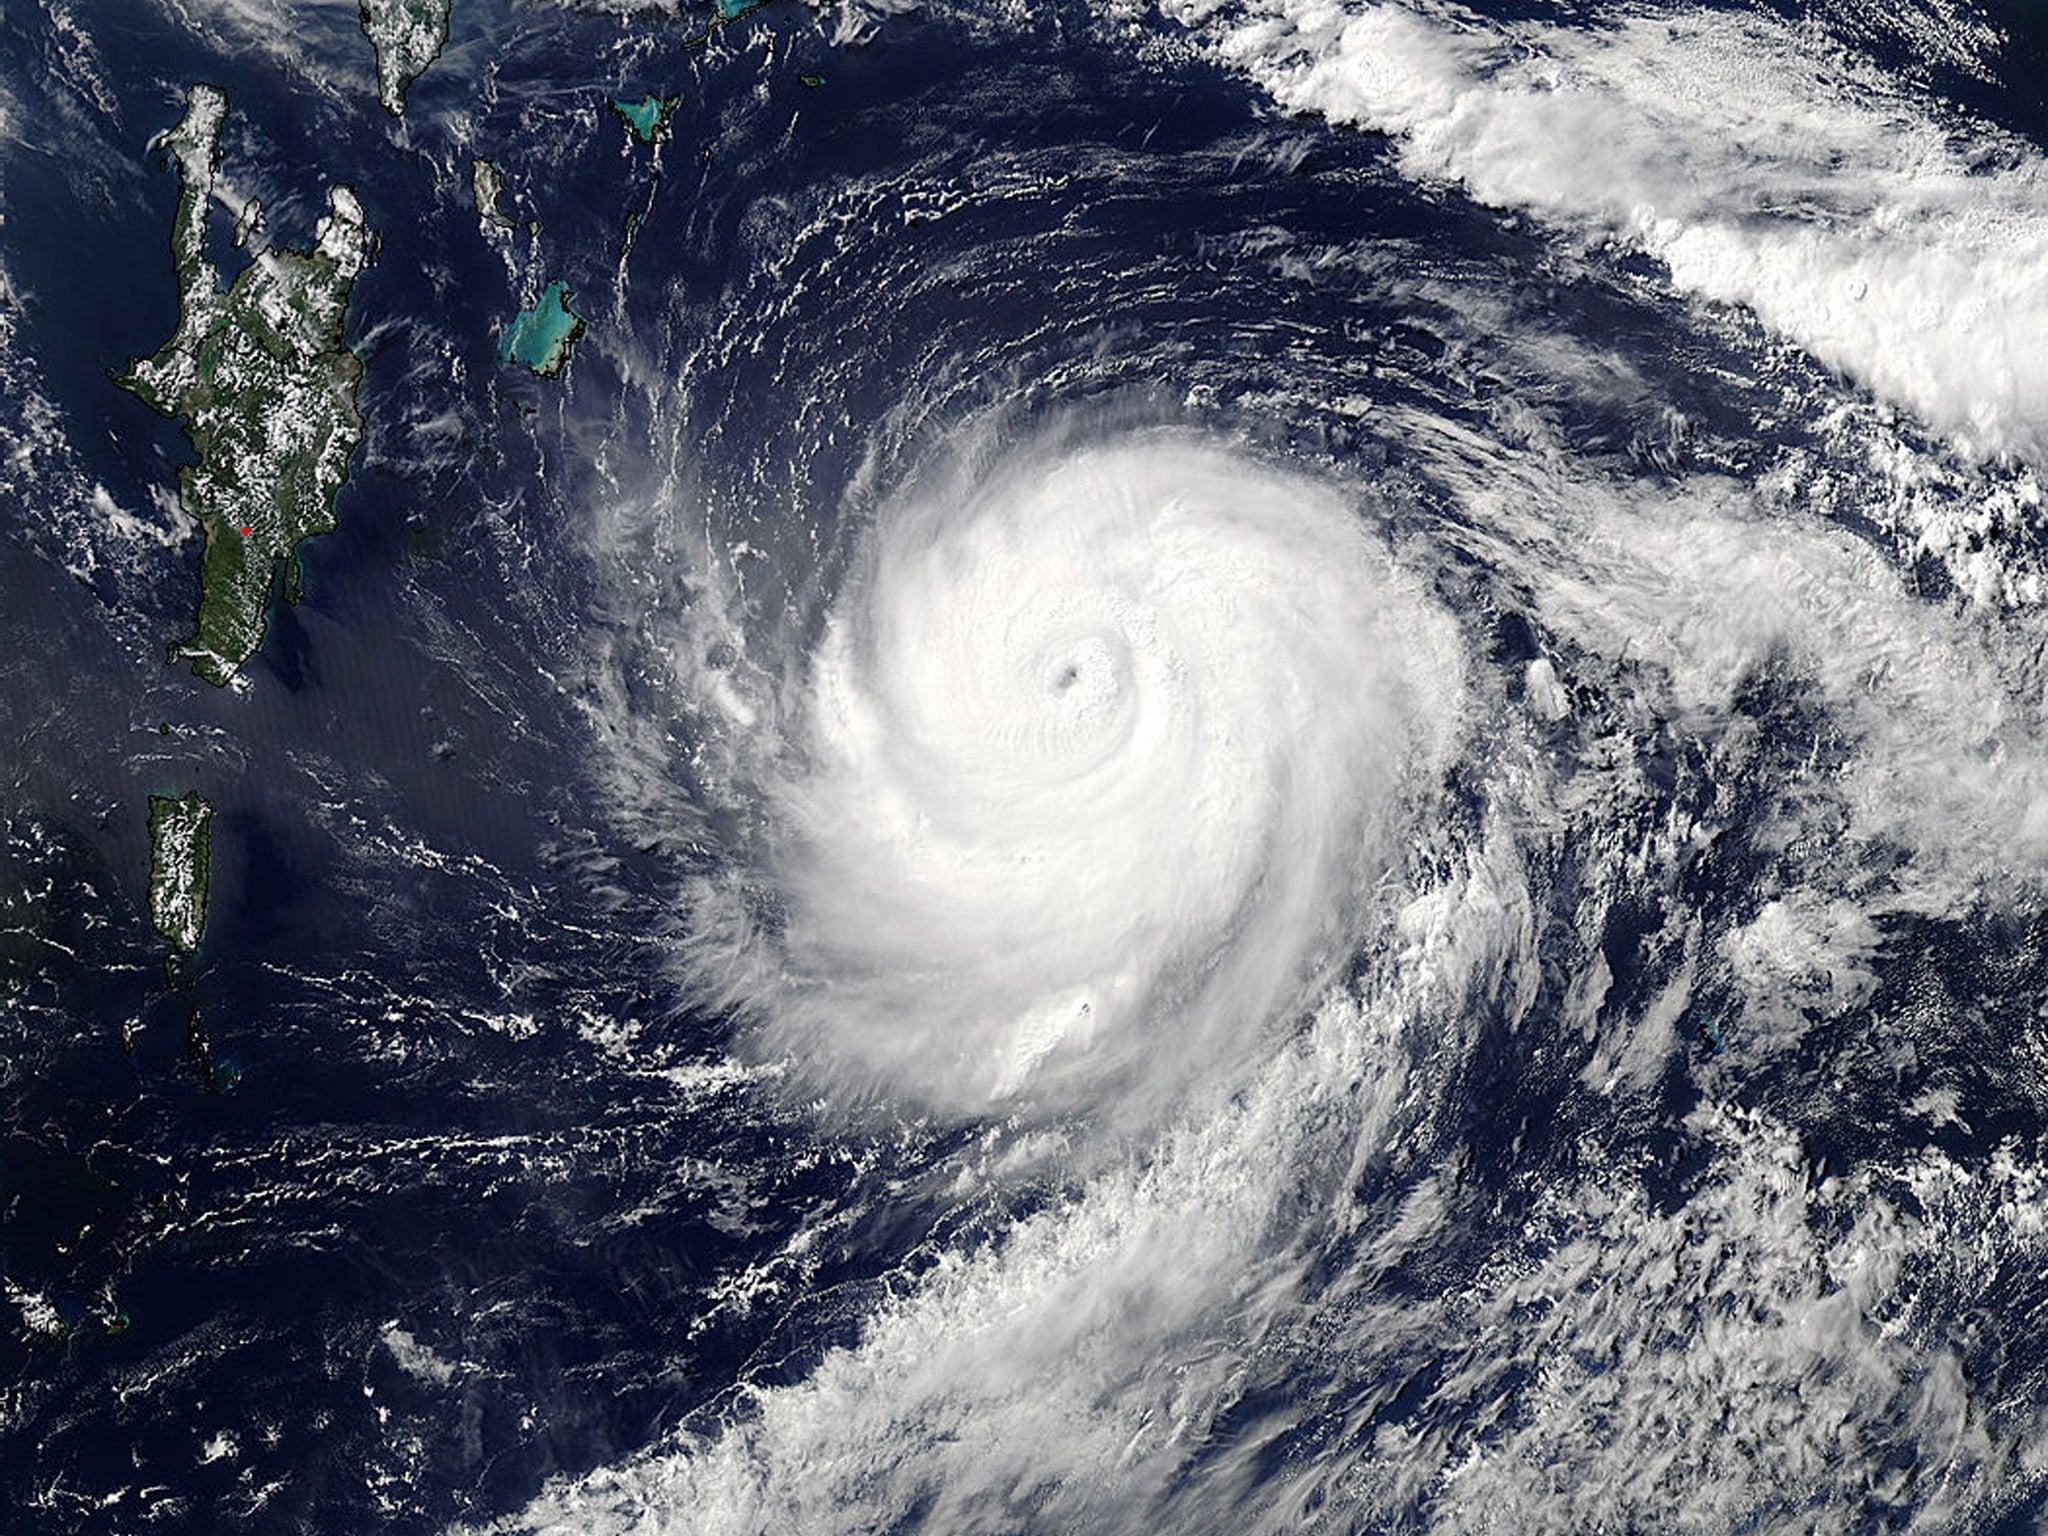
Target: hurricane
point(1184, 768)
point(1090, 772)
point(1317, 779)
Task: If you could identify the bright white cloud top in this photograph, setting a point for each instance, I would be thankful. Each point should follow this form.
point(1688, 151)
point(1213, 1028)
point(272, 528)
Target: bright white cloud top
point(1095, 766)
point(1759, 163)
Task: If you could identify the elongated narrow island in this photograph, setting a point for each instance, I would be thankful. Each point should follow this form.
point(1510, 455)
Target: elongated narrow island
point(487, 186)
point(266, 387)
point(180, 867)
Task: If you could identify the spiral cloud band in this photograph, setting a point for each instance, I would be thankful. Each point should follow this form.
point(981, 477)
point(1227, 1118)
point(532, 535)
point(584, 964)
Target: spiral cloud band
point(1099, 758)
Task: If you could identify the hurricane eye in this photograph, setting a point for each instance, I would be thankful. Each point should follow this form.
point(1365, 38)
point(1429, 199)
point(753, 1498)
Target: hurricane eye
point(1060, 757)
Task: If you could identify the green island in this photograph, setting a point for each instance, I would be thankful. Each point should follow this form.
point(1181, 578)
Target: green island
point(266, 388)
point(486, 186)
point(407, 36)
point(544, 337)
point(647, 118)
point(180, 866)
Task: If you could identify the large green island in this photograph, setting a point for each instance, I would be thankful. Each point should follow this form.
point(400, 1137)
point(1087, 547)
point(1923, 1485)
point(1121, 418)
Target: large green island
point(407, 35)
point(180, 867)
point(266, 387)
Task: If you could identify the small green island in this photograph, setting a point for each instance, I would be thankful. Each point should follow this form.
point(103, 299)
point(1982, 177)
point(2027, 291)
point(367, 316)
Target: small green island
point(407, 36)
point(647, 118)
point(180, 867)
point(544, 337)
point(266, 388)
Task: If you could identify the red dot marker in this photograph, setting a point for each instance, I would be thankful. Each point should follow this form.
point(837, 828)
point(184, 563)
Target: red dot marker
point(245, 533)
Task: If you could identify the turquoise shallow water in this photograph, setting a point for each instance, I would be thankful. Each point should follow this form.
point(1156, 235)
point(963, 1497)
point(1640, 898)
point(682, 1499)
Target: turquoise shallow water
point(647, 117)
point(543, 337)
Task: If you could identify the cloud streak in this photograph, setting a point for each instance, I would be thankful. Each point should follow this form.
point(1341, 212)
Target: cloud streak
point(1760, 165)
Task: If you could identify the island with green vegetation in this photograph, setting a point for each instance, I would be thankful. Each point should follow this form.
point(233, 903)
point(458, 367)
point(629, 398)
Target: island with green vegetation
point(647, 118)
point(544, 337)
point(487, 186)
point(180, 867)
point(407, 35)
point(266, 388)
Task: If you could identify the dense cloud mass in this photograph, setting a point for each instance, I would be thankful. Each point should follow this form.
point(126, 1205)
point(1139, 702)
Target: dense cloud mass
point(1761, 165)
point(1095, 764)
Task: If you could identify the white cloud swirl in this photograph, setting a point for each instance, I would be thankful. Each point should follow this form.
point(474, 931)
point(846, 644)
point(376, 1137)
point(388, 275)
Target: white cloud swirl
point(1097, 761)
